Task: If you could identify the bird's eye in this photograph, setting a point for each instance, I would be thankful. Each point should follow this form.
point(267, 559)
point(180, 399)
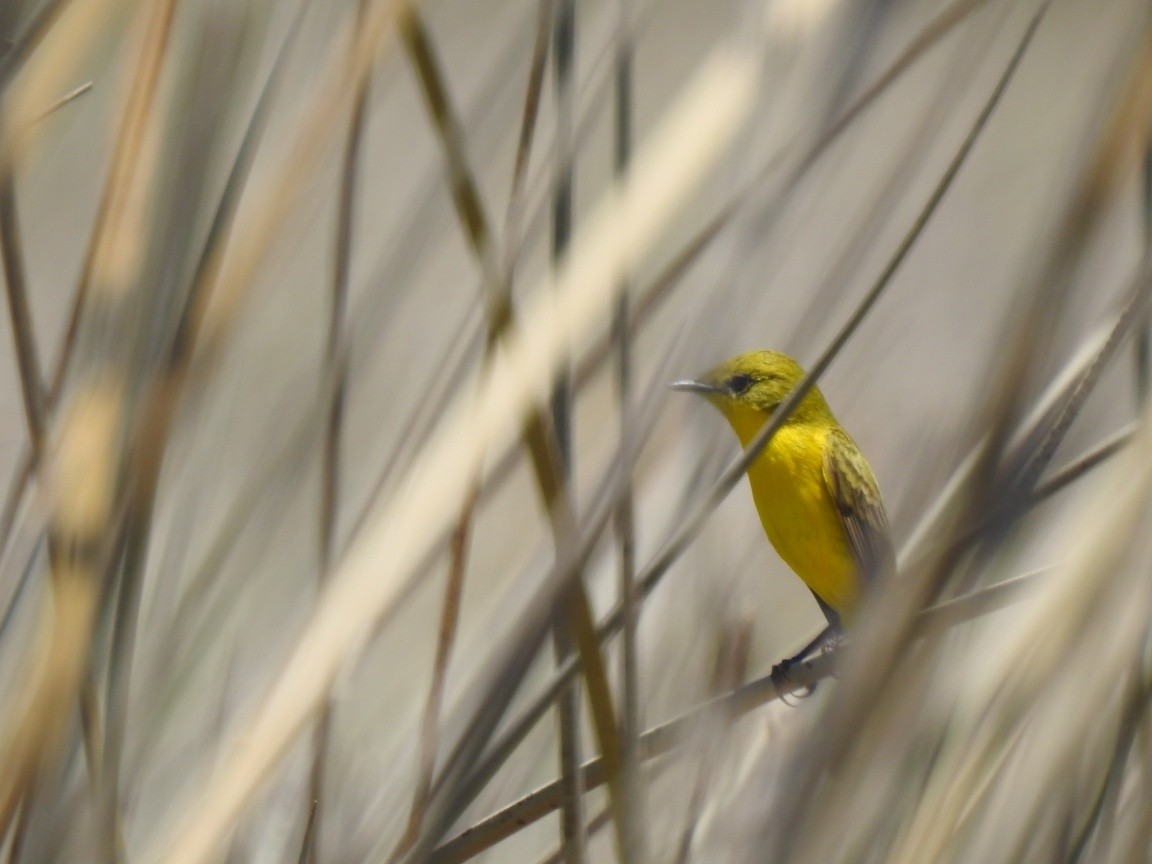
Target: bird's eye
point(739, 384)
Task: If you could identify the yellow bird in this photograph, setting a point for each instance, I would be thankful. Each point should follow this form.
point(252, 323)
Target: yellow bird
point(816, 496)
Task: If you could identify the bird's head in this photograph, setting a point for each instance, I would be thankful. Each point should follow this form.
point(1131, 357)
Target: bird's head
point(749, 387)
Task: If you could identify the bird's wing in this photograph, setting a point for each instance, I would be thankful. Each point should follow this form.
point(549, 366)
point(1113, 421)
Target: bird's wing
point(857, 498)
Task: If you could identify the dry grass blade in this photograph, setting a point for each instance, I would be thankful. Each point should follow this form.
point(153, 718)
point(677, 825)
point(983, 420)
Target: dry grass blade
point(29, 36)
point(224, 280)
point(474, 222)
point(548, 452)
point(65, 100)
point(429, 726)
point(857, 701)
point(1112, 155)
point(1068, 595)
point(224, 215)
point(514, 215)
point(1041, 433)
point(159, 384)
point(954, 85)
point(465, 192)
point(573, 612)
point(361, 592)
point(27, 353)
point(335, 352)
point(478, 756)
point(1142, 348)
point(45, 51)
point(84, 465)
point(1102, 813)
point(667, 736)
point(628, 799)
point(84, 469)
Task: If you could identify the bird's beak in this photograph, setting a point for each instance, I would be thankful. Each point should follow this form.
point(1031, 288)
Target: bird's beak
point(690, 386)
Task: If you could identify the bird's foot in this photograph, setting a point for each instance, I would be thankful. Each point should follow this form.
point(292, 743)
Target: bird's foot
point(830, 641)
point(782, 679)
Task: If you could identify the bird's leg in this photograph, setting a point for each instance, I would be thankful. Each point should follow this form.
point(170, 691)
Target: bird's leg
point(829, 639)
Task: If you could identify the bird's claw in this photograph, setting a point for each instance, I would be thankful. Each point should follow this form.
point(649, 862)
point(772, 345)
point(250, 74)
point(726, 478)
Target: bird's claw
point(781, 679)
point(830, 642)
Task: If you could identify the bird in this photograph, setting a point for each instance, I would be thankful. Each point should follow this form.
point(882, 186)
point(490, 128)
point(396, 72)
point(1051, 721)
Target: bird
point(816, 495)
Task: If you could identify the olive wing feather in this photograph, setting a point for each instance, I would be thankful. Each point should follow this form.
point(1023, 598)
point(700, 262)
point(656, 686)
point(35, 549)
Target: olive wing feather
point(858, 502)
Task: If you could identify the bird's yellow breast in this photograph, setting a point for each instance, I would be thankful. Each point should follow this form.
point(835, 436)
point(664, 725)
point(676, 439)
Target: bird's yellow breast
point(798, 511)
